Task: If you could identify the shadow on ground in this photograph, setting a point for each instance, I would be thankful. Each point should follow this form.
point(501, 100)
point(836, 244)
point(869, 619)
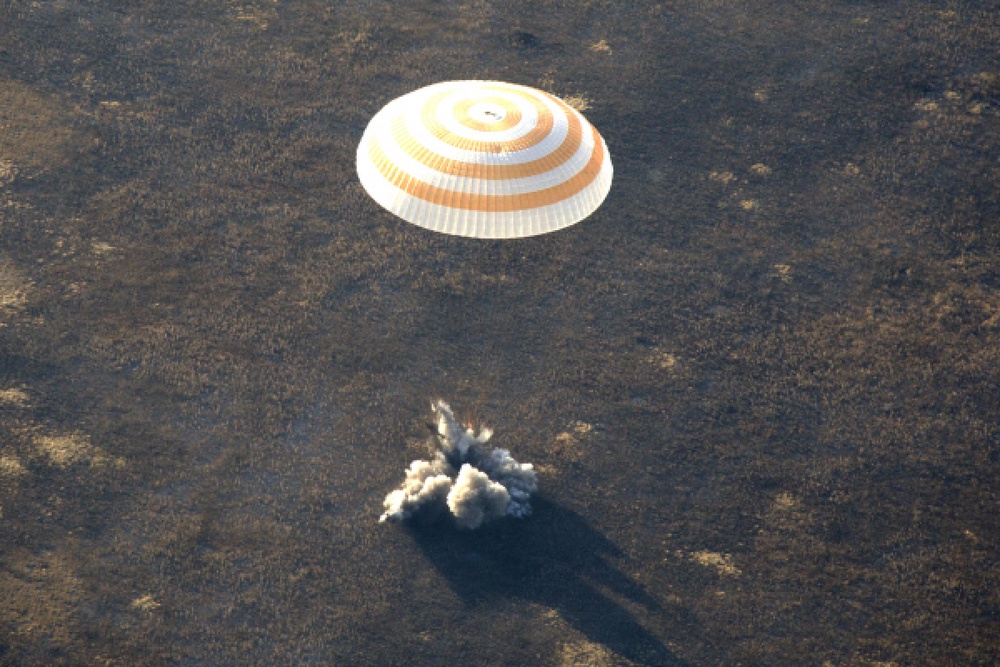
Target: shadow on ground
point(555, 559)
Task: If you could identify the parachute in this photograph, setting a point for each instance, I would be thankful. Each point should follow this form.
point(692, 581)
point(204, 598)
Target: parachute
point(484, 159)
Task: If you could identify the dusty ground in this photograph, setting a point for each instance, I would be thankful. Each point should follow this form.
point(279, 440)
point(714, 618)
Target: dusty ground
point(760, 383)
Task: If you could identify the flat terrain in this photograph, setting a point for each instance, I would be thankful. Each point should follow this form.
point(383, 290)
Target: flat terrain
point(761, 384)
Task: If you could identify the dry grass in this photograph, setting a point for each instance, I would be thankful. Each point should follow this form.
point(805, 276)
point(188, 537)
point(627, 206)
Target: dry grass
point(578, 102)
point(36, 132)
point(13, 291)
point(11, 467)
point(15, 396)
point(781, 329)
point(721, 563)
point(64, 451)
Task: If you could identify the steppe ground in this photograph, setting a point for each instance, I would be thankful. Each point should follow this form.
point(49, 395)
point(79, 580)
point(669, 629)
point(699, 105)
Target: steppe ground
point(760, 384)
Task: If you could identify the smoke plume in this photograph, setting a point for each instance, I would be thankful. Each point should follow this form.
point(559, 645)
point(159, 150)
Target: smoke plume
point(466, 477)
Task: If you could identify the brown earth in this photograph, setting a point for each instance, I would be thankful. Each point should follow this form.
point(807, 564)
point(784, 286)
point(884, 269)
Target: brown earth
point(760, 383)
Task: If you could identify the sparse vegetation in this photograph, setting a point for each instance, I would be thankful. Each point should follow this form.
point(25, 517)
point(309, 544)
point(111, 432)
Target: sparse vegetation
point(760, 383)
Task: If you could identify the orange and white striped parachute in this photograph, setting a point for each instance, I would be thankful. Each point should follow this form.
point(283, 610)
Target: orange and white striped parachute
point(484, 159)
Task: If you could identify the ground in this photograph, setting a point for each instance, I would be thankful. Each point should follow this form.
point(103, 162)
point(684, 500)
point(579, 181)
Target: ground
point(760, 383)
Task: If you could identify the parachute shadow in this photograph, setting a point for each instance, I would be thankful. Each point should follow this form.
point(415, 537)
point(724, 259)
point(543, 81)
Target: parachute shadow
point(554, 559)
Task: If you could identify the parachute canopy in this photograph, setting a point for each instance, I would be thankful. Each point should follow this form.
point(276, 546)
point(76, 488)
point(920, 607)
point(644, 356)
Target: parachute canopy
point(484, 159)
